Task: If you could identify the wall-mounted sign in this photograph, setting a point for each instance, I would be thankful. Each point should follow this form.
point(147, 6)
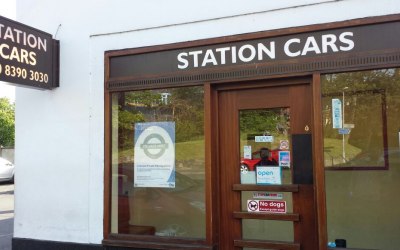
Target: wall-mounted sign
point(240, 58)
point(269, 206)
point(154, 155)
point(28, 57)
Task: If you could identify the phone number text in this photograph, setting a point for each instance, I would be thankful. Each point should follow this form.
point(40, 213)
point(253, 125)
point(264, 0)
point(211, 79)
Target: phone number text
point(22, 73)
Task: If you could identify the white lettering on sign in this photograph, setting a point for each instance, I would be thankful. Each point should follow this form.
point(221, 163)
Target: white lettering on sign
point(270, 206)
point(21, 37)
point(249, 53)
point(218, 56)
point(18, 37)
point(328, 42)
point(17, 54)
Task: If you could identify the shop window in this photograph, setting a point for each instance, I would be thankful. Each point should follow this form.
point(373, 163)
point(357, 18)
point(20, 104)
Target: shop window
point(158, 172)
point(361, 122)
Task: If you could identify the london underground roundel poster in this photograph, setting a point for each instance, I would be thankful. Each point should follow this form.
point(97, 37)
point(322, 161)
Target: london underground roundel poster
point(154, 155)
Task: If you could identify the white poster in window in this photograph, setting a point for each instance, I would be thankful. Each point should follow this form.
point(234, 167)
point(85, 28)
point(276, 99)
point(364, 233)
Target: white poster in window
point(264, 138)
point(154, 158)
point(247, 152)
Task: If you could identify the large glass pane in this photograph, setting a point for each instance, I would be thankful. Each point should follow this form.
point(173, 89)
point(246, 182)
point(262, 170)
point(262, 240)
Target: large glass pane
point(264, 141)
point(265, 160)
point(362, 201)
point(158, 163)
point(273, 230)
point(355, 121)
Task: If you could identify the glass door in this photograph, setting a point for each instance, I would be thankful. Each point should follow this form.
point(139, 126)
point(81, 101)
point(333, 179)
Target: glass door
point(267, 195)
point(265, 160)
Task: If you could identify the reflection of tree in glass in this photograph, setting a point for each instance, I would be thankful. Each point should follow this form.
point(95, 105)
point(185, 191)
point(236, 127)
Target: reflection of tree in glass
point(265, 121)
point(7, 122)
point(283, 124)
point(370, 99)
point(184, 106)
point(187, 111)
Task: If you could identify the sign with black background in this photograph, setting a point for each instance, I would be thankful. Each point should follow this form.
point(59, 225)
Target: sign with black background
point(289, 48)
point(28, 57)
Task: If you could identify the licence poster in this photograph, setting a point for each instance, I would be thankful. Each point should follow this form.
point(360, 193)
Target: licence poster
point(154, 158)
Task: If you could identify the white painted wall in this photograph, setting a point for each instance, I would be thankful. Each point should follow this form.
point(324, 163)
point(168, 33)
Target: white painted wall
point(60, 134)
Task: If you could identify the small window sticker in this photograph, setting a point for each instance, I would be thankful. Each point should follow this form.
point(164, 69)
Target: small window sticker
point(267, 195)
point(247, 152)
point(264, 138)
point(283, 144)
point(284, 159)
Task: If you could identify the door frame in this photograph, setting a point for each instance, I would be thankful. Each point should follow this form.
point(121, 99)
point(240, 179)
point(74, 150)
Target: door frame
point(212, 146)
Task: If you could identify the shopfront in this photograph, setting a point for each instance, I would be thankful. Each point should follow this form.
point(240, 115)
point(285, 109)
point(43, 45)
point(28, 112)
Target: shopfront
point(285, 139)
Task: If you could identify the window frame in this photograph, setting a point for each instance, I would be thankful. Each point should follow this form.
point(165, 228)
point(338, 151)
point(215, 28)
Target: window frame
point(377, 61)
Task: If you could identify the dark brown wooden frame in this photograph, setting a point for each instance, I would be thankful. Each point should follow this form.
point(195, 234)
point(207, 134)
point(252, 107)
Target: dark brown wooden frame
point(295, 67)
point(294, 188)
point(145, 241)
point(211, 136)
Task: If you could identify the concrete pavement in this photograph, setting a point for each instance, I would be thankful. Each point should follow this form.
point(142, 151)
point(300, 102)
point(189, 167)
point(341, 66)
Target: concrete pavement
point(6, 215)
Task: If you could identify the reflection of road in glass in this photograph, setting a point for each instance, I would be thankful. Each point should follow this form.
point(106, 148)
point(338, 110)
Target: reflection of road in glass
point(6, 215)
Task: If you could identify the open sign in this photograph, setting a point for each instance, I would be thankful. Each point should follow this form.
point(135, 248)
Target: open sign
point(269, 175)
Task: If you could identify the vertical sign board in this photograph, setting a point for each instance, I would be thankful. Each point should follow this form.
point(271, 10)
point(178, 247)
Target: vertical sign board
point(28, 57)
point(337, 113)
point(154, 155)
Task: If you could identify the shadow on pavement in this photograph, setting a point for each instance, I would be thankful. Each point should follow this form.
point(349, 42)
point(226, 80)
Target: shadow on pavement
point(7, 192)
point(6, 233)
point(7, 212)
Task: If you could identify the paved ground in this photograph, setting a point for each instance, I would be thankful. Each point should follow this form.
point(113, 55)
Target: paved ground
point(6, 215)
